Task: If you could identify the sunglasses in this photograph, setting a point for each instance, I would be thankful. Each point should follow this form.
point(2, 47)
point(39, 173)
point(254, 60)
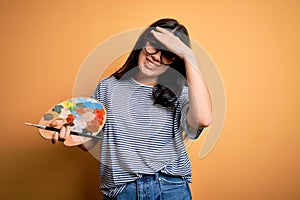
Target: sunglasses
point(152, 47)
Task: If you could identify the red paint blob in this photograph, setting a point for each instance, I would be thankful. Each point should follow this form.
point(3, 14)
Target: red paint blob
point(70, 118)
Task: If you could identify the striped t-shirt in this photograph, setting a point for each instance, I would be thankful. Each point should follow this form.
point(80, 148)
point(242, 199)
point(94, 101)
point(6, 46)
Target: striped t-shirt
point(140, 137)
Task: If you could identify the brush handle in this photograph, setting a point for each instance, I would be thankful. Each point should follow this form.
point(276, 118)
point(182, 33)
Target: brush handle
point(49, 128)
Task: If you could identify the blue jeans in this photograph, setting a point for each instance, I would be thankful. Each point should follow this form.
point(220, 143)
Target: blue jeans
point(155, 187)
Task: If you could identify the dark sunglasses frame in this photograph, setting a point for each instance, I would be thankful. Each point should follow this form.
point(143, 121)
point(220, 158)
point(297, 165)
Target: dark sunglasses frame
point(165, 55)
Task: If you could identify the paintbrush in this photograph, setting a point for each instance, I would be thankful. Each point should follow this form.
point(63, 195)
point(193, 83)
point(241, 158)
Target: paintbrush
point(49, 128)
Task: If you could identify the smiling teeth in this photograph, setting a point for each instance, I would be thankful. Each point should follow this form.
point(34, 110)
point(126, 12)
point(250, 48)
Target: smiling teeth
point(151, 64)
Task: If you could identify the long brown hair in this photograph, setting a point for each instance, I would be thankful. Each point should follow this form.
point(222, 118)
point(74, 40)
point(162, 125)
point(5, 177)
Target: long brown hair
point(170, 83)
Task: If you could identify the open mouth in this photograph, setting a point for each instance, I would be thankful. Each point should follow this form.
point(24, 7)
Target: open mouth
point(151, 64)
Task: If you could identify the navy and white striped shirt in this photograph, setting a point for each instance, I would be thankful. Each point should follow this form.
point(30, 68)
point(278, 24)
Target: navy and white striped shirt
point(138, 136)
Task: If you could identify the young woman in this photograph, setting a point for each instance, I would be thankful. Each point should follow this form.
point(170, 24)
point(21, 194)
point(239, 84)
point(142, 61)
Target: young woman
point(156, 95)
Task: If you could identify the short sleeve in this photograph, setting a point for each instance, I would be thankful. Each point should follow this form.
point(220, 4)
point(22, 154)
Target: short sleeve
point(93, 95)
point(96, 93)
point(101, 91)
point(191, 132)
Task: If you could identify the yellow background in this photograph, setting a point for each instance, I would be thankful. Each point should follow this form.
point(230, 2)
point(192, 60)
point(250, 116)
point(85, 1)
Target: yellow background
point(255, 45)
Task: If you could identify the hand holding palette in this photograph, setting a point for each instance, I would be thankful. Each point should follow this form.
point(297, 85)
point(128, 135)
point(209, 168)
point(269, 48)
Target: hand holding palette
point(85, 116)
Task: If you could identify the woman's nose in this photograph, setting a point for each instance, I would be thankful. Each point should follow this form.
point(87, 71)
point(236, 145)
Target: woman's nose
point(156, 57)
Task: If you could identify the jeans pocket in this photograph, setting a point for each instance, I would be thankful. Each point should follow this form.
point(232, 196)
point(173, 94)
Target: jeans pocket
point(172, 180)
point(174, 188)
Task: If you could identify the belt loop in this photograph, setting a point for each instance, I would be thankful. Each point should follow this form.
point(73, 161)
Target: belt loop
point(157, 176)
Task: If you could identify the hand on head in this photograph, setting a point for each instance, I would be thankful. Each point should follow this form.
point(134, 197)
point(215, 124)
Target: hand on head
point(171, 41)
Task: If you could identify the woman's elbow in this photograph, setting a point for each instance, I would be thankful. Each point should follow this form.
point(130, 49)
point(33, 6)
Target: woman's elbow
point(199, 122)
point(205, 121)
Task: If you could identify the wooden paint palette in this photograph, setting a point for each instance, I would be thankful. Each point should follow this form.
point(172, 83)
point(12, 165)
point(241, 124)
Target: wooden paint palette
point(84, 115)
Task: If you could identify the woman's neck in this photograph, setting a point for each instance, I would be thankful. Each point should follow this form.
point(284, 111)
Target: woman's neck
point(145, 80)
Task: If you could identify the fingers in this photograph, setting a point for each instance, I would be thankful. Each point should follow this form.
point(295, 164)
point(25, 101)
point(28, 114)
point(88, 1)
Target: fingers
point(163, 30)
point(68, 132)
point(163, 33)
point(57, 123)
point(162, 37)
point(54, 138)
point(160, 32)
point(170, 41)
point(64, 132)
point(165, 36)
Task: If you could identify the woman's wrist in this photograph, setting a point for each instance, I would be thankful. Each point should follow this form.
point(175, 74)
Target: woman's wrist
point(189, 57)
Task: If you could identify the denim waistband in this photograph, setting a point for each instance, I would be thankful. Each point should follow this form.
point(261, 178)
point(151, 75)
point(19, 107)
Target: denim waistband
point(155, 186)
point(159, 176)
point(162, 186)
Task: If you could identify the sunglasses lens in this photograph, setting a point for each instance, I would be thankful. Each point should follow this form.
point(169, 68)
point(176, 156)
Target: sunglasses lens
point(152, 47)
